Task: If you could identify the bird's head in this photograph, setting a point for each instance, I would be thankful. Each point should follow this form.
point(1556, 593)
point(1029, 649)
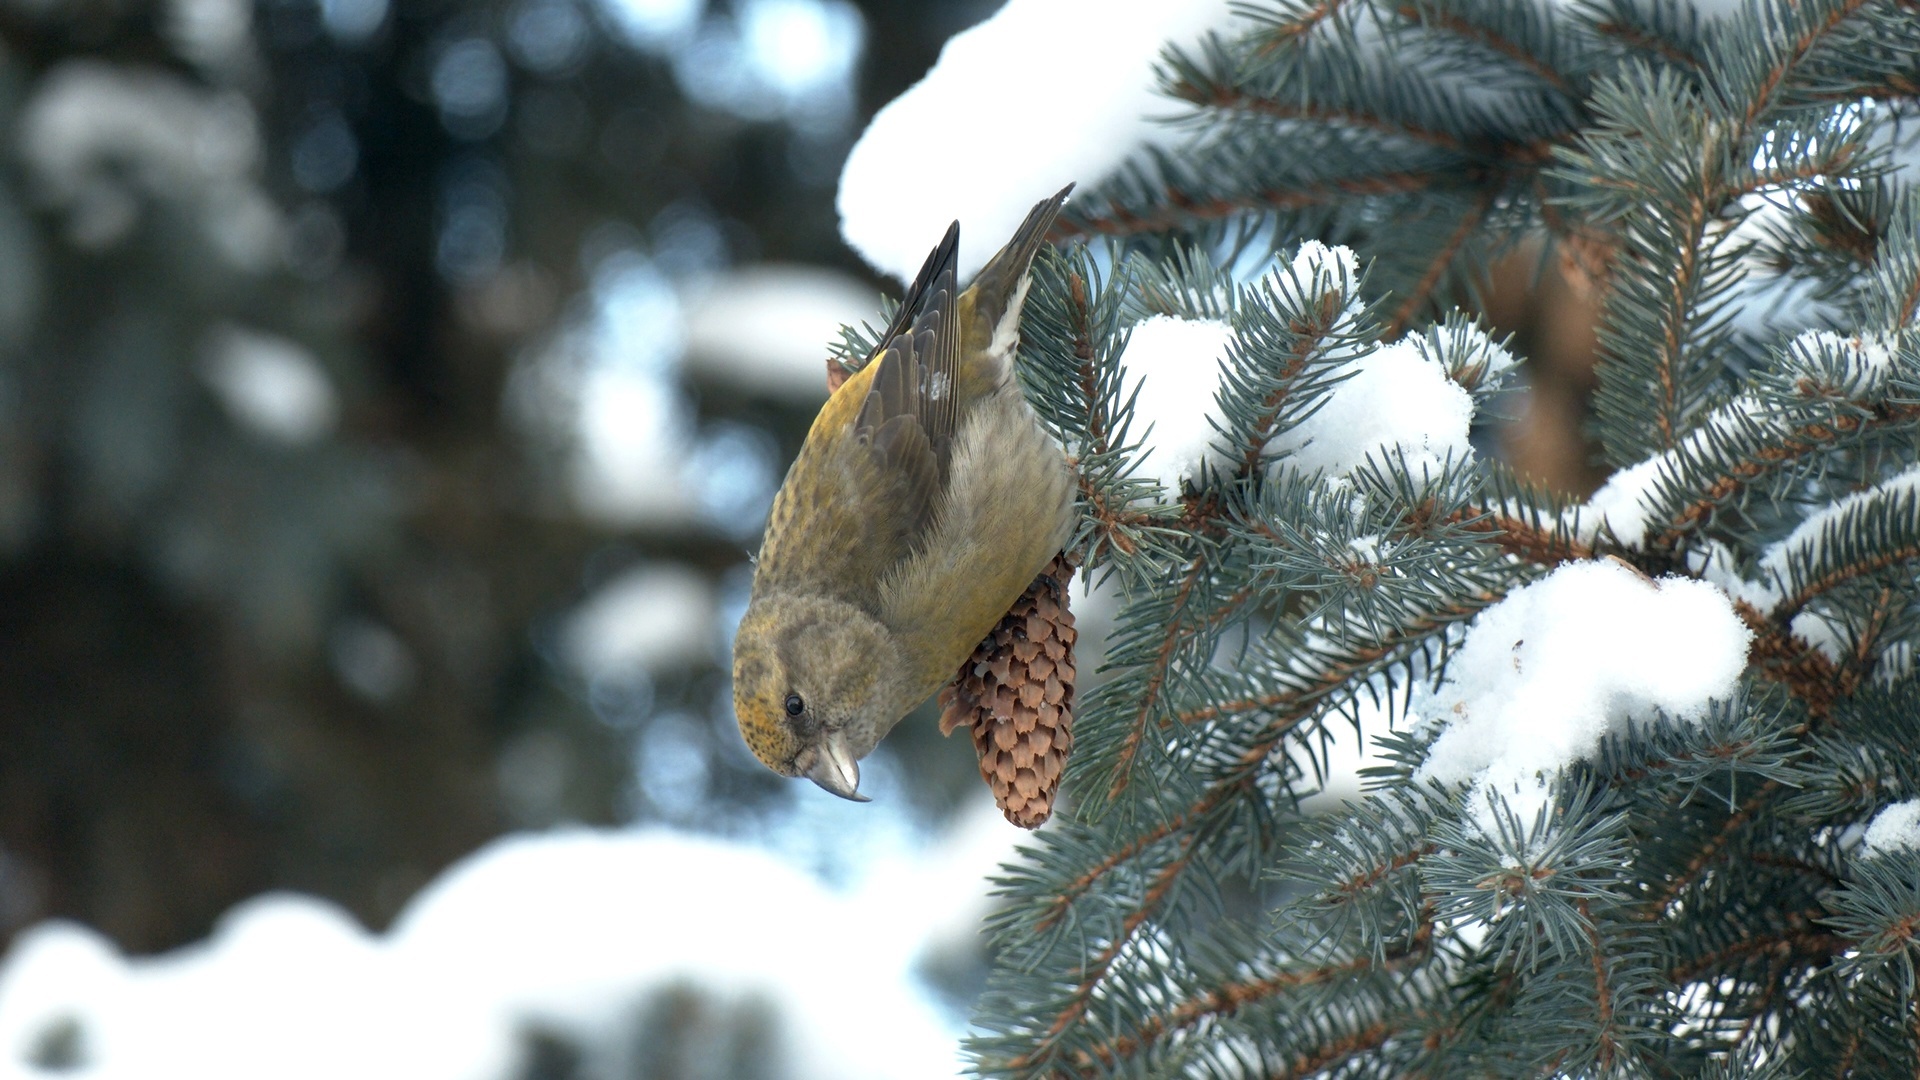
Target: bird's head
point(811, 687)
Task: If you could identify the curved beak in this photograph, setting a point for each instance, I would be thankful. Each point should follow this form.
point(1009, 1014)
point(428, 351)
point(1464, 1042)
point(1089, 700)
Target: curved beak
point(835, 770)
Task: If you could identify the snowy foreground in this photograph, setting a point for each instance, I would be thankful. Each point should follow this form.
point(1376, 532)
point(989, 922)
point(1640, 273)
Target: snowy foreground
point(610, 948)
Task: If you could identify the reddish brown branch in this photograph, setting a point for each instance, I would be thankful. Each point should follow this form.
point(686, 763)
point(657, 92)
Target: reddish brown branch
point(1111, 520)
point(1782, 656)
point(1326, 314)
point(1801, 941)
point(1674, 330)
point(1827, 582)
point(1334, 1052)
point(1846, 1059)
point(1286, 34)
point(1519, 537)
point(1075, 889)
point(1246, 768)
point(1234, 99)
point(1795, 444)
point(1499, 43)
point(1778, 73)
point(1910, 305)
point(1181, 210)
point(1663, 900)
point(1176, 631)
point(1296, 702)
point(1645, 42)
point(1096, 971)
point(1231, 998)
point(1437, 268)
point(1602, 993)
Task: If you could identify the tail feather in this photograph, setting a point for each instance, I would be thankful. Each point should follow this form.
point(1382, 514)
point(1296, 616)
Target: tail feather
point(997, 282)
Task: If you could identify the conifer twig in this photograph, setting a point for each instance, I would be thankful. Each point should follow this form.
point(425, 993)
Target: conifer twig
point(1286, 33)
point(1180, 209)
point(1436, 270)
point(1486, 36)
point(1234, 99)
point(1636, 38)
point(1794, 444)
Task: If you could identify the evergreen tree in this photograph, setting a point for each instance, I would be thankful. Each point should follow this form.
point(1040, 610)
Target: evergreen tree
point(1688, 890)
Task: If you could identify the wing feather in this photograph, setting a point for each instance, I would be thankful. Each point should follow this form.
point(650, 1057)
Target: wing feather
point(911, 414)
point(865, 504)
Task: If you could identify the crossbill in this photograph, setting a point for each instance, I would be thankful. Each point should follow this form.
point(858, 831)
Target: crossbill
point(926, 498)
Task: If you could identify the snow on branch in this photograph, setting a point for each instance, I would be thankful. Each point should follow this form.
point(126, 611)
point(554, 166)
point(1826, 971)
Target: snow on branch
point(1542, 676)
point(1043, 93)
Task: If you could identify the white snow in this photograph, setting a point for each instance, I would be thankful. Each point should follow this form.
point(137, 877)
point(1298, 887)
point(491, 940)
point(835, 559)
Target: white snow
point(288, 986)
point(634, 428)
point(1174, 365)
point(766, 329)
point(1865, 360)
point(1894, 828)
point(1543, 675)
point(1468, 354)
point(270, 385)
point(1809, 537)
point(1396, 402)
point(99, 139)
point(1855, 366)
point(657, 615)
point(569, 931)
point(1624, 503)
point(1317, 269)
point(944, 149)
point(210, 33)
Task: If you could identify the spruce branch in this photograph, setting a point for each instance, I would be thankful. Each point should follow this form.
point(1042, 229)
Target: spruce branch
point(1487, 34)
point(1684, 167)
point(1878, 533)
point(1602, 987)
point(1687, 513)
point(1322, 1059)
point(1647, 42)
point(1781, 655)
point(1231, 99)
point(1276, 30)
point(1234, 996)
point(1522, 537)
point(1801, 944)
point(1813, 25)
point(1443, 258)
point(1660, 905)
point(1285, 711)
point(1180, 629)
point(1175, 209)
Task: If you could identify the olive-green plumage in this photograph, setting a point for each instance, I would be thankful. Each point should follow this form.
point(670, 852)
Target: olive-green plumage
point(926, 498)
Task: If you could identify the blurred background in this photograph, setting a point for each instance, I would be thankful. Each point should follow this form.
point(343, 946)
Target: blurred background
point(389, 399)
point(391, 394)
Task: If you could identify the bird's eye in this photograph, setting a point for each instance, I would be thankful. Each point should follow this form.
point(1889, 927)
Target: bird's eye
point(794, 705)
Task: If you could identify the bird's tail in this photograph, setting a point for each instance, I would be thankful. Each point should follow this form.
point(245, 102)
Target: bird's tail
point(1000, 278)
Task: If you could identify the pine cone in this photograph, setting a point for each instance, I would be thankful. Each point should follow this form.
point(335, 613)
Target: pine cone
point(1016, 695)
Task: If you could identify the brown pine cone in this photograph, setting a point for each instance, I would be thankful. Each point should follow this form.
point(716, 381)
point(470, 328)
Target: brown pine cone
point(1016, 695)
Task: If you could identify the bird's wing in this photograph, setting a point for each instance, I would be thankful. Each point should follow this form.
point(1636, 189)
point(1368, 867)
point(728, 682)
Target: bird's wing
point(911, 414)
point(867, 501)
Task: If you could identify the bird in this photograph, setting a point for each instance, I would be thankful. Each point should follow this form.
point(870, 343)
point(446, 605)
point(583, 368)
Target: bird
point(926, 498)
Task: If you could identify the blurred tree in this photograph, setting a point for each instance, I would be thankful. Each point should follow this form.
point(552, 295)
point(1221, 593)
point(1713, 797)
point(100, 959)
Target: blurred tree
point(292, 387)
